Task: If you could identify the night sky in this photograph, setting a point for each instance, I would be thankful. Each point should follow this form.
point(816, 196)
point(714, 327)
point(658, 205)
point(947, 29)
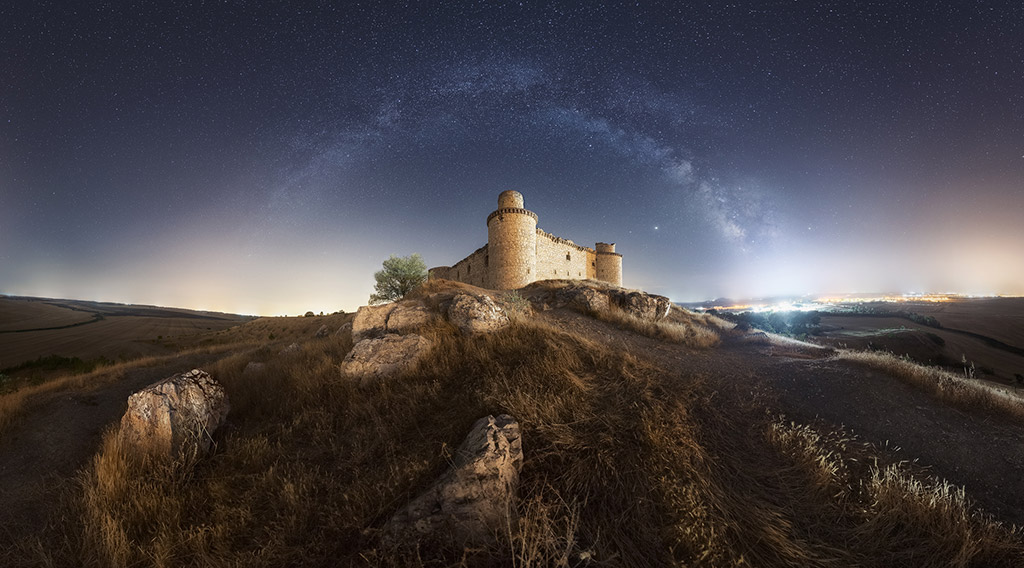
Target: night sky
point(266, 157)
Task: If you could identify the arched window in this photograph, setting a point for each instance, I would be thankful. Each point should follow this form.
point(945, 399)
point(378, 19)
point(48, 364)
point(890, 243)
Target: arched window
point(567, 257)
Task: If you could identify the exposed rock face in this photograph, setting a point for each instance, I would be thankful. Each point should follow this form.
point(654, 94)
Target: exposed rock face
point(405, 319)
point(471, 501)
point(176, 417)
point(371, 321)
point(474, 314)
point(345, 328)
point(641, 304)
point(374, 321)
point(582, 298)
point(375, 358)
point(322, 332)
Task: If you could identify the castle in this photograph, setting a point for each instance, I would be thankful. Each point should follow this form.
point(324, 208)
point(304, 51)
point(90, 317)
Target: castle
point(518, 253)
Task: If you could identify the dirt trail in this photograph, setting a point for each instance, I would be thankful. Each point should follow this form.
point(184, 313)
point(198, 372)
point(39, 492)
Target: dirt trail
point(40, 454)
point(980, 452)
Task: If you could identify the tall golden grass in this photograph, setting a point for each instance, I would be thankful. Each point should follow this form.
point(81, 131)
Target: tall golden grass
point(625, 464)
point(970, 394)
point(689, 329)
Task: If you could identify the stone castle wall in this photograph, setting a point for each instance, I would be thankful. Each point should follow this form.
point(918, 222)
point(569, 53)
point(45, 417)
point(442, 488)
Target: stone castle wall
point(518, 253)
point(561, 258)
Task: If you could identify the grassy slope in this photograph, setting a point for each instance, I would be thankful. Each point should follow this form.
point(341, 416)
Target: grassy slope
point(625, 463)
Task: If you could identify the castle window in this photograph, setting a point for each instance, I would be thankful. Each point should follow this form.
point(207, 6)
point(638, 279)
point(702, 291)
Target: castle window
point(592, 264)
point(469, 268)
point(487, 260)
point(567, 257)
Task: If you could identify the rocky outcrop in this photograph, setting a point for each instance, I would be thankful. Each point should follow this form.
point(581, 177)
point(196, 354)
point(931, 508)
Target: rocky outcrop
point(375, 358)
point(471, 502)
point(582, 299)
point(406, 319)
point(641, 304)
point(476, 314)
point(345, 328)
point(176, 417)
point(324, 331)
point(375, 321)
point(371, 321)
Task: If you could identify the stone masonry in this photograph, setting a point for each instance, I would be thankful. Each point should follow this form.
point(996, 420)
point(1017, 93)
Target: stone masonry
point(518, 253)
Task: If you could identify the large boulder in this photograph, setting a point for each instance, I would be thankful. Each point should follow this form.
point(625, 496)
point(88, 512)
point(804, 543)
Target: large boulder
point(371, 321)
point(176, 417)
point(471, 502)
point(406, 318)
point(324, 331)
point(375, 321)
point(476, 314)
point(375, 358)
point(641, 304)
point(344, 329)
point(582, 299)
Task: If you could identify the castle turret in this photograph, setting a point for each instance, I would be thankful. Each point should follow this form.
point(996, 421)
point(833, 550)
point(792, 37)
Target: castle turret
point(609, 264)
point(512, 243)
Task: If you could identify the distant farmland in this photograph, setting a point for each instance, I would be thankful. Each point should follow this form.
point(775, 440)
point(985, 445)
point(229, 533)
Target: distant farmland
point(35, 327)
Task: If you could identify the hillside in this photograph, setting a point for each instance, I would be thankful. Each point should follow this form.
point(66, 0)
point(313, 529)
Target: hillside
point(672, 442)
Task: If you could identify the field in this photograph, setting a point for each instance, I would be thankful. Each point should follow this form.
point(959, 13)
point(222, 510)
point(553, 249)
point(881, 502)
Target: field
point(32, 327)
point(987, 332)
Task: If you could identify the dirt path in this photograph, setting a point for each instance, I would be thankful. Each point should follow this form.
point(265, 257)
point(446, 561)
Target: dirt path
point(979, 452)
point(41, 453)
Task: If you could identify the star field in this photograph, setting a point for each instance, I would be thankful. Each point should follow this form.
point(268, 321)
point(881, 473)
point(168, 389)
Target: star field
point(266, 158)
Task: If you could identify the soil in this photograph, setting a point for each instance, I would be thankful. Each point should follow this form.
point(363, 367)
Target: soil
point(42, 453)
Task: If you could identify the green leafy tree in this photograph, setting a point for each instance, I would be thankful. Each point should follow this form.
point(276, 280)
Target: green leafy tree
point(399, 277)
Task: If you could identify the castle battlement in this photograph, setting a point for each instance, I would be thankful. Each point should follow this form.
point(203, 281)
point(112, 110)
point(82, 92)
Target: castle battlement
point(518, 253)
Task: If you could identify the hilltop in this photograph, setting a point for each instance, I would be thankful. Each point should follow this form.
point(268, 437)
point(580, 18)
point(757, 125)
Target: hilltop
point(648, 438)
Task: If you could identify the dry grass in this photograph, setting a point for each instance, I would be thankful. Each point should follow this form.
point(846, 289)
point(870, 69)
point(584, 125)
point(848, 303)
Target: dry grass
point(15, 404)
point(934, 522)
point(689, 329)
point(625, 465)
point(944, 385)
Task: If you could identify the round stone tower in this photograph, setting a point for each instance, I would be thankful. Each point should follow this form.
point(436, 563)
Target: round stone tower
point(609, 264)
point(511, 243)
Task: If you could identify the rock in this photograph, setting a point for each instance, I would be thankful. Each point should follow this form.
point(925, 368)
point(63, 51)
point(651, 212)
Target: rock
point(582, 299)
point(474, 314)
point(375, 358)
point(345, 328)
point(253, 368)
point(176, 417)
point(405, 319)
point(293, 348)
point(322, 332)
point(371, 321)
point(470, 502)
point(640, 304)
point(375, 321)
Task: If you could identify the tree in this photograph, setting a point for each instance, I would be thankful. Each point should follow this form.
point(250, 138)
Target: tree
point(399, 277)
